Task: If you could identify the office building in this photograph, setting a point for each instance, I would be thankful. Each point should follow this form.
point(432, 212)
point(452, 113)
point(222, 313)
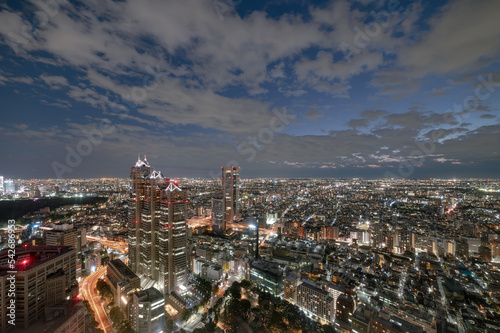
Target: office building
point(1, 185)
point(315, 301)
point(148, 310)
point(290, 287)
point(46, 276)
point(62, 235)
point(9, 186)
point(218, 215)
point(157, 228)
point(344, 308)
point(231, 192)
point(67, 317)
point(267, 275)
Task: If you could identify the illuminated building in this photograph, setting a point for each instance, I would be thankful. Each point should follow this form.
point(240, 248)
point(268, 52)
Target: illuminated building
point(218, 215)
point(148, 310)
point(46, 276)
point(157, 228)
point(315, 301)
point(290, 287)
point(9, 186)
point(231, 192)
point(268, 276)
point(344, 308)
point(385, 323)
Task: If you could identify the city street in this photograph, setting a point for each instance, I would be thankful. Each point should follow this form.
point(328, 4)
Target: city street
point(88, 290)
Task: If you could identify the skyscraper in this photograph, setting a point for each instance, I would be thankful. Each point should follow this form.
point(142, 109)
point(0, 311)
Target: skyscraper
point(157, 228)
point(1, 185)
point(10, 186)
point(218, 215)
point(231, 192)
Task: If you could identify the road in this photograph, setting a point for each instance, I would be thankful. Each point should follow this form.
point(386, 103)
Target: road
point(88, 290)
point(206, 221)
point(120, 246)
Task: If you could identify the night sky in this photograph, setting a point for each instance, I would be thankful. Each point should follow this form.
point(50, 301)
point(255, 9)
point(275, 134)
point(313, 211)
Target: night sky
point(282, 88)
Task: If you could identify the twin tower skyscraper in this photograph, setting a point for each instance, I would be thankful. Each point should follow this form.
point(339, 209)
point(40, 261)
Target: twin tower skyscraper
point(157, 228)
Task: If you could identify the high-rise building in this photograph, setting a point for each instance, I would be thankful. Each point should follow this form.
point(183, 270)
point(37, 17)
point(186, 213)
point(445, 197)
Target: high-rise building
point(157, 237)
point(1, 185)
point(9, 186)
point(315, 301)
point(290, 287)
point(344, 308)
point(148, 310)
point(63, 234)
point(231, 192)
point(46, 276)
point(172, 239)
point(218, 215)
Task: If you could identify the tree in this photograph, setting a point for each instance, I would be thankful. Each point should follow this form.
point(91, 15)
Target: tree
point(245, 284)
point(185, 314)
point(116, 315)
point(245, 306)
point(235, 290)
point(210, 326)
point(169, 324)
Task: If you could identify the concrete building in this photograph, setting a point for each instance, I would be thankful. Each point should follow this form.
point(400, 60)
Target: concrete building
point(46, 276)
point(267, 276)
point(157, 228)
point(344, 308)
point(148, 310)
point(218, 215)
point(385, 323)
point(315, 301)
point(292, 281)
point(67, 317)
point(231, 192)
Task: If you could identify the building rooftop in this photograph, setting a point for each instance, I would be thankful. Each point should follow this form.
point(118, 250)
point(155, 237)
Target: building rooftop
point(123, 269)
point(397, 324)
point(28, 257)
point(267, 267)
point(149, 295)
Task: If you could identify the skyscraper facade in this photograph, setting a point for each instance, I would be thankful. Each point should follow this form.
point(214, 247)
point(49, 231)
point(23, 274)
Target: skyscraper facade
point(157, 227)
point(218, 215)
point(231, 192)
point(9, 186)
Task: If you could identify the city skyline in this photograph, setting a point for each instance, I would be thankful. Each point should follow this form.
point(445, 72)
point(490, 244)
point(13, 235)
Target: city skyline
point(360, 88)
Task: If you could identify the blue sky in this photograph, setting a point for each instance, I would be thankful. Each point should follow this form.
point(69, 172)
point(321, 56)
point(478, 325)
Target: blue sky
point(281, 88)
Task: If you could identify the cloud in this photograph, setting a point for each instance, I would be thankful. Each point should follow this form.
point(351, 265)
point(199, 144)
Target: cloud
point(459, 39)
point(373, 114)
point(439, 91)
point(355, 123)
point(54, 82)
point(487, 116)
point(313, 113)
